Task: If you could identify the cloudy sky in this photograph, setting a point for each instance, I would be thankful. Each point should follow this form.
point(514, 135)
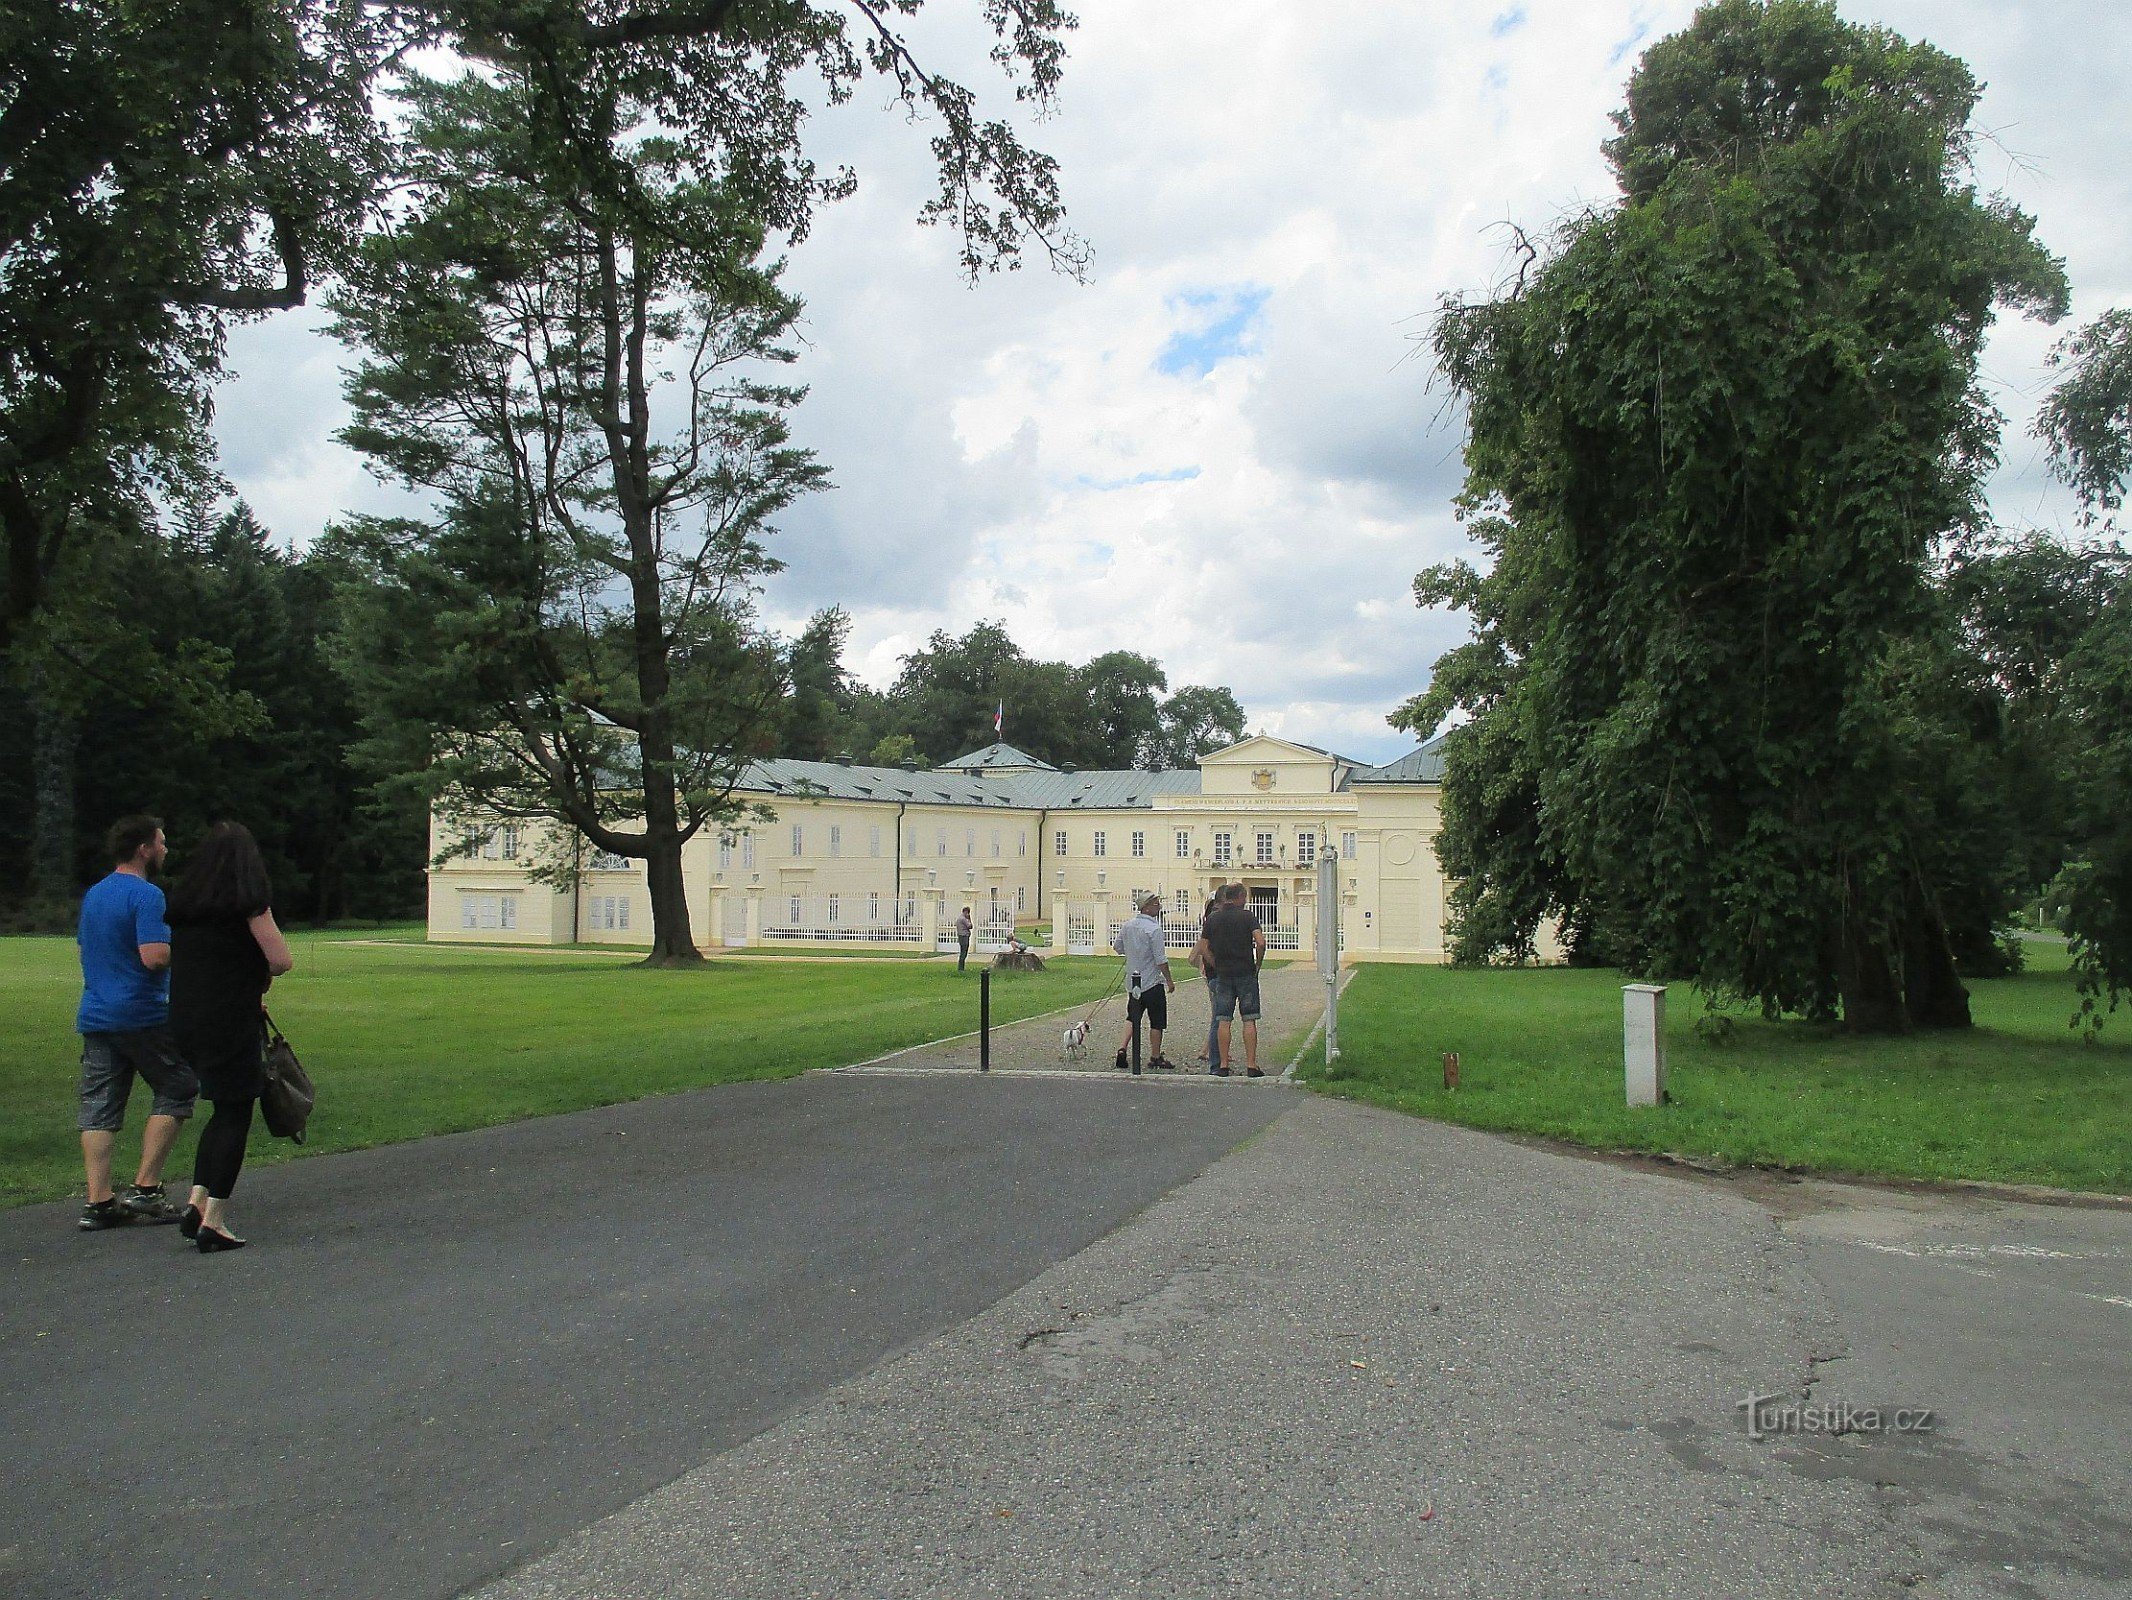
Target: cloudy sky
point(1224, 449)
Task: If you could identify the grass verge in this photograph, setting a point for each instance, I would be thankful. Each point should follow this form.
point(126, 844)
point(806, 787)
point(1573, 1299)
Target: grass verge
point(406, 1042)
point(2020, 1098)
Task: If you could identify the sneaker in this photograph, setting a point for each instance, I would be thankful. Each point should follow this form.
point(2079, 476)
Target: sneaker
point(1253, 1072)
point(101, 1214)
point(149, 1205)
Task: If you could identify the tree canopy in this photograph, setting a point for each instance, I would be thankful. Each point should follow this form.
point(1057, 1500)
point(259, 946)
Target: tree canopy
point(1113, 711)
point(1718, 431)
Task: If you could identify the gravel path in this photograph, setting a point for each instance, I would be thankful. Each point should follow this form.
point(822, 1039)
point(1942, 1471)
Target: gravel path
point(1292, 999)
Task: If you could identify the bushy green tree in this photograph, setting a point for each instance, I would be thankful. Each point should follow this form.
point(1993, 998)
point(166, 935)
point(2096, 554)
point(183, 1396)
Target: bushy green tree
point(2087, 422)
point(1717, 431)
point(578, 382)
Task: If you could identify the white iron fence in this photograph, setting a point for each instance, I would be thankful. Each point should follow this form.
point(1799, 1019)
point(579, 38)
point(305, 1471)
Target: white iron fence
point(831, 919)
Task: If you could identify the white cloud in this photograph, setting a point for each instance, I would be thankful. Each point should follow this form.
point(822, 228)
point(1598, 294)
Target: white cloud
point(1251, 510)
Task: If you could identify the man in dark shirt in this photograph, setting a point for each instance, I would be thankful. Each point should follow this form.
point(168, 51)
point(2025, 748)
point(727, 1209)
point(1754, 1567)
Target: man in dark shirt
point(1236, 948)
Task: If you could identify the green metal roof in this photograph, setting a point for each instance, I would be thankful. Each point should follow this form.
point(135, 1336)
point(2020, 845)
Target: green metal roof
point(994, 756)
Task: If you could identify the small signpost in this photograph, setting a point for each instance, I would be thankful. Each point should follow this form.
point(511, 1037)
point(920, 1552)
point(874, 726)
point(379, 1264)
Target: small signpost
point(1329, 950)
point(1643, 1042)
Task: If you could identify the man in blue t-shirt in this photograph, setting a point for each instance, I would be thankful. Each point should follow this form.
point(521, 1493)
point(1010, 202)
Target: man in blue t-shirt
point(125, 1003)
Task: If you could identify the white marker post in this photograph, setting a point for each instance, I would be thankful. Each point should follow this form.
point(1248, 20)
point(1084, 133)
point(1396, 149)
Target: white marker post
point(1643, 1042)
point(1329, 949)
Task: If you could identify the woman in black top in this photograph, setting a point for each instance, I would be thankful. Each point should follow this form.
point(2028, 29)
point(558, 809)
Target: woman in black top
point(224, 950)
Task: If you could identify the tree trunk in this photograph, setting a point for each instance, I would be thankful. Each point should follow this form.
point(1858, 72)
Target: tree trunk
point(1866, 978)
point(52, 752)
point(1933, 995)
point(673, 943)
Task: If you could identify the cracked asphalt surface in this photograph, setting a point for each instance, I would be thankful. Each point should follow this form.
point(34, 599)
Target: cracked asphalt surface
point(925, 1335)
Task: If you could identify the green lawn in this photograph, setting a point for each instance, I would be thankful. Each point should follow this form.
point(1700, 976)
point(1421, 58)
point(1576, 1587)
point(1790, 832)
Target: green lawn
point(2018, 1099)
point(413, 1040)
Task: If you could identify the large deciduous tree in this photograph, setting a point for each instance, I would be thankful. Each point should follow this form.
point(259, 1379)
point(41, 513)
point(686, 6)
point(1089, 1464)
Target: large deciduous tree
point(572, 362)
point(1718, 430)
point(166, 168)
point(2088, 424)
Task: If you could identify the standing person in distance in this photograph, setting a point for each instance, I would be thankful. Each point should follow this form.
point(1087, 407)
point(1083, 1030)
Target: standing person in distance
point(963, 926)
point(1204, 963)
point(1148, 984)
point(1237, 945)
point(225, 949)
point(123, 1022)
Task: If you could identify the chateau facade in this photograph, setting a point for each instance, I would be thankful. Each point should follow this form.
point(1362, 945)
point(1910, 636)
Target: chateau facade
point(887, 857)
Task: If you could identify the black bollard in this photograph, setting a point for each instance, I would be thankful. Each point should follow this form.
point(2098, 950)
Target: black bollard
point(984, 1019)
point(1134, 1013)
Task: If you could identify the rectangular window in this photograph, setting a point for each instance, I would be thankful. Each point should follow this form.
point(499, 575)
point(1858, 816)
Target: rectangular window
point(1058, 842)
point(621, 912)
point(1265, 847)
point(834, 907)
point(507, 911)
point(792, 905)
point(940, 839)
point(747, 849)
point(491, 847)
point(873, 840)
point(725, 851)
point(509, 843)
point(799, 840)
point(1184, 844)
point(836, 840)
point(995, 844)
point(1139, 844)
point(1221, 847)
point(911, 848)
point(1021, 898)
point(1306, 849)
point(1347, 847)
point(469, 911)
point(873, 906)
point(910, 908)
point(1021, 842)
point(969, 842)
point(1102, 844)
point(1184, 902)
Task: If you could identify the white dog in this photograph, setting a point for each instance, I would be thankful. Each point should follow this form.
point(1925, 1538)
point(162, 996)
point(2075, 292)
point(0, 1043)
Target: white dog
point(1076, 1038)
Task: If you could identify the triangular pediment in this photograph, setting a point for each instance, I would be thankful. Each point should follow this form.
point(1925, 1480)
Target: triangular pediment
point(1263, 764)
point(1262, 747)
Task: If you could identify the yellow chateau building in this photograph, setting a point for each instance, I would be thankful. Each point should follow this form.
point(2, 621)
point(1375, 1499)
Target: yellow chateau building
point(889, 856)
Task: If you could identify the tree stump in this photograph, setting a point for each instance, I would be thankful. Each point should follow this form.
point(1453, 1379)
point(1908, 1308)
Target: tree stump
point(1017, 961)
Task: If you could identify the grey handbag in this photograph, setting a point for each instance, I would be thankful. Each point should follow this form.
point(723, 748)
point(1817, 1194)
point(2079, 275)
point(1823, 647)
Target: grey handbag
point(286, 1100)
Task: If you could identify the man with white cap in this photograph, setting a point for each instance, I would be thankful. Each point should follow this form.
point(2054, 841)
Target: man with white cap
point(1148, 983)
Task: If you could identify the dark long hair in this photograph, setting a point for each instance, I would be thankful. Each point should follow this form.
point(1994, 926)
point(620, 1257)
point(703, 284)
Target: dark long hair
point(225, 877)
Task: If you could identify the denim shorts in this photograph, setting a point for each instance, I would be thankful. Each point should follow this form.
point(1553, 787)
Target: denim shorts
point(108, 1063)
point(1235, 992)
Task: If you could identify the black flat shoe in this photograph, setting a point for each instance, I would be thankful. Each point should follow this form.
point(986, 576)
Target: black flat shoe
point(189, 1223)
point(212, 1240)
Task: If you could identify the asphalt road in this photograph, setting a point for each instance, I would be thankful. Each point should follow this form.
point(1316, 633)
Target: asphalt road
point(439, 1359)
point(1366, 1355)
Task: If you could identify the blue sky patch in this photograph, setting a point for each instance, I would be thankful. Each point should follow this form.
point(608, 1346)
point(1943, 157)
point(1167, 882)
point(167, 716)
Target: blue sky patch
point(1507, 23)
point(1106, 485)
point(1642, 32)
point(1218, 324)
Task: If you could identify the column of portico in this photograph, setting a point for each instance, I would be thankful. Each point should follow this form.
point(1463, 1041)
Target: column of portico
point(753, 935)
point(713, 934)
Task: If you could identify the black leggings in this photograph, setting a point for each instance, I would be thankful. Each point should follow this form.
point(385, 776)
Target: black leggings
point(220, 1156)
